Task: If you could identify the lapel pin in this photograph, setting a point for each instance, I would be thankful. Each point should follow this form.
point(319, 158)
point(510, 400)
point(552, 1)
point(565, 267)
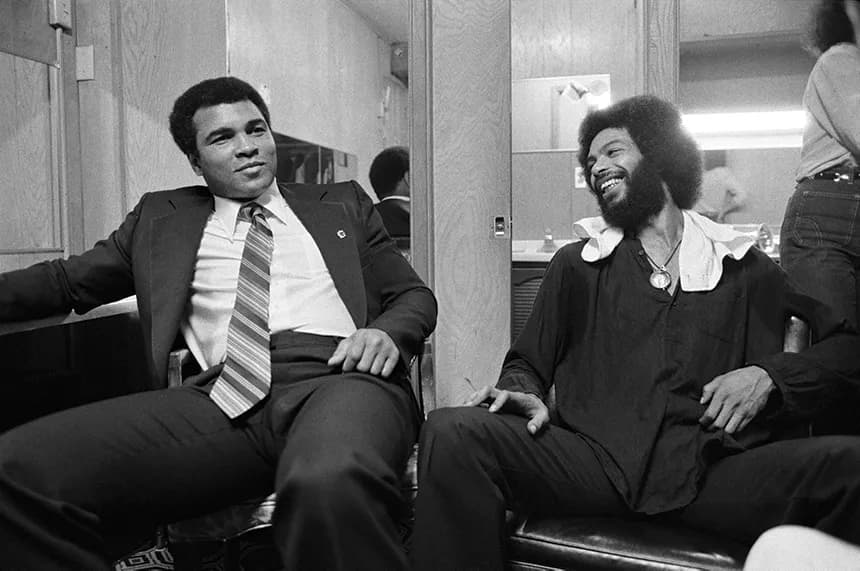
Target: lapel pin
point(341, 234)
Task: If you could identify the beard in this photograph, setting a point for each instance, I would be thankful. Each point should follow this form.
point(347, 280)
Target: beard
point(644, 200)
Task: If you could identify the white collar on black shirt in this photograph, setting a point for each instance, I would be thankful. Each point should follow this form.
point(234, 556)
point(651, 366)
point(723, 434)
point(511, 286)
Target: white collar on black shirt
point(704, 244)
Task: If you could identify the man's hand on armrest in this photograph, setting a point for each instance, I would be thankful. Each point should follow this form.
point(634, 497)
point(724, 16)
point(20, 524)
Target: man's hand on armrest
point(523, 404)
point(735, 398)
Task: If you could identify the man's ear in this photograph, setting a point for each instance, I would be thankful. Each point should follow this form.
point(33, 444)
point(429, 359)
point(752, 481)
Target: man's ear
point(194, 161)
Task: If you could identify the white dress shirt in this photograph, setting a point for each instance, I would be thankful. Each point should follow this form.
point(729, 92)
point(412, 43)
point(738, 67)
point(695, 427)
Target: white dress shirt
point(302, 293)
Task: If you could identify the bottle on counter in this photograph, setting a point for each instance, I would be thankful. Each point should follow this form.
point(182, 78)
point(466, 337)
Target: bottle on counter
point(548, 243)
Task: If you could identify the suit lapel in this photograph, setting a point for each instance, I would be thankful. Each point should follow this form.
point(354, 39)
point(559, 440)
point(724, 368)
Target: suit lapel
point(332, 230)
point(175, 239)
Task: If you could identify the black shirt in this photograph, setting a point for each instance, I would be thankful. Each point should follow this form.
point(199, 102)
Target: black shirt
point(629, 361)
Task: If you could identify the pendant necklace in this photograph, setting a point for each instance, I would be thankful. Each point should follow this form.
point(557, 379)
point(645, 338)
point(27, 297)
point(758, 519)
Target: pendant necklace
point(660, 277)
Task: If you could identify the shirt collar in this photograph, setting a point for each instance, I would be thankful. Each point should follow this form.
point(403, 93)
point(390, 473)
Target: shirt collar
point(227, 210)
point(704, 244)
point(395, 197)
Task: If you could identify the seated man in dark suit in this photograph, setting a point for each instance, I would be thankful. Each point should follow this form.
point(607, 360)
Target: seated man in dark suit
point(389, 177)
point(662, 335)
point(302, 316)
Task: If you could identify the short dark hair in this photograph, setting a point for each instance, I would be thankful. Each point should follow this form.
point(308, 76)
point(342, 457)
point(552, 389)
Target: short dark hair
point(655, 126)
point(208, 93)
point(828, 26)
point(387, 169)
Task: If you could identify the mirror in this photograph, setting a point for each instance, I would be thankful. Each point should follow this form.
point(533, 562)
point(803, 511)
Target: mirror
point(390, 20)
point(760, 82)
point(301, 161)
point(729, 63)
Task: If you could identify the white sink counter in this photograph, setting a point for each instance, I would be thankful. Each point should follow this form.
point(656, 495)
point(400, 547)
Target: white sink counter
point(533, 250)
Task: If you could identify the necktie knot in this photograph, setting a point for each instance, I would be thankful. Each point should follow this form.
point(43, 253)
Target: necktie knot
point(255, 213)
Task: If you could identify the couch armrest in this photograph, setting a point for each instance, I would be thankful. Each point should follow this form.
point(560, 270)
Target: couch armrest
point(797, 335)
point(176, 360)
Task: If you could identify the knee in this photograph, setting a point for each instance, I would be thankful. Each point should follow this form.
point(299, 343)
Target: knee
point(453, 427)
point(772, 546)
point(21, 462)
point(841, 455)
point(452, 437)
point(835, 464)
point(329, 486)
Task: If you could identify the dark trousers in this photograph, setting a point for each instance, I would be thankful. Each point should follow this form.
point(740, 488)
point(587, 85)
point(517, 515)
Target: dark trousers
point(473, 464)
point(820, 244)
point(332, 445)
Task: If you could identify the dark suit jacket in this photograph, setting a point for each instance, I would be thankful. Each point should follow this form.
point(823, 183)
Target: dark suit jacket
point(395, 216)
point(153, 252)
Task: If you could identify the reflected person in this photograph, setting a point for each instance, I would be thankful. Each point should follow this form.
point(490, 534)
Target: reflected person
point(389, 177)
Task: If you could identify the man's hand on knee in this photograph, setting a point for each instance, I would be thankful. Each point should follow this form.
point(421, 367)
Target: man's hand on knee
point(735, 398)
point(368, 351)
point(523, 404)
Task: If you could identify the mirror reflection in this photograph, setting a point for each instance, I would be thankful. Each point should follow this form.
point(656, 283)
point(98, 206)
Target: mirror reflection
point(751, 63)
point(388, 171)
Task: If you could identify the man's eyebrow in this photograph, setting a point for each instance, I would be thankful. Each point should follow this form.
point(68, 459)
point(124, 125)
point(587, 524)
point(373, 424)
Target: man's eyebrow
point(607, 144)
point(613, 142)
point(220, 131)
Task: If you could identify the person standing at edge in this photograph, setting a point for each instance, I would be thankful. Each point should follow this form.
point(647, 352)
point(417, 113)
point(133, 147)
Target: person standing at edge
point(820, 235)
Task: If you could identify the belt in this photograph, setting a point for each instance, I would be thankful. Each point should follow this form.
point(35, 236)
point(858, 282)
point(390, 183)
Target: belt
point(840, 174)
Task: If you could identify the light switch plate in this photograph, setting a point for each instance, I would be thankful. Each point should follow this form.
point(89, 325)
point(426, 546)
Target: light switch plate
point(84, 63)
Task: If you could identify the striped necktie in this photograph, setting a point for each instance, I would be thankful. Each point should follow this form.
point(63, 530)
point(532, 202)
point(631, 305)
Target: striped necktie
point(247, 372)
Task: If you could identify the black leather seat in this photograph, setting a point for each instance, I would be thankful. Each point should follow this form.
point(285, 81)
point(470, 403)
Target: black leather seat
point(616, 543)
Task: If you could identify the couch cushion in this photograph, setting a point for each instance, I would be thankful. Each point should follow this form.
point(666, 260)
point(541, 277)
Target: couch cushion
point(615, 543)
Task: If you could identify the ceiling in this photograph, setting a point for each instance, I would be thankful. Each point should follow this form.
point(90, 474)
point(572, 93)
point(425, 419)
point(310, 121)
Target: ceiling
point(388, 18)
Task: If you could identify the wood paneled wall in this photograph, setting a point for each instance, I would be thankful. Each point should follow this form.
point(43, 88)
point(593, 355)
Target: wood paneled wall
point(575, 37)
point(31, 227)
point(463, 133)
point(661, 35)
point(146, 54)
point(705, 20)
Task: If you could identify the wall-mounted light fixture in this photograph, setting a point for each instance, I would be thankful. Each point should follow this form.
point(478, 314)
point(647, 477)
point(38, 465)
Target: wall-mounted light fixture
point(747, 130)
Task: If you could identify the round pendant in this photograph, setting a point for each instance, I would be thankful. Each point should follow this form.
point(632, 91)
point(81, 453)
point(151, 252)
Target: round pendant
point(660, 279)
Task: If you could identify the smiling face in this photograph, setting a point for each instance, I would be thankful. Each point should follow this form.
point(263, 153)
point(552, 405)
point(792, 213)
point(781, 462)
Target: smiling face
point(612, 158)
point(629, 189)
point(235, 150)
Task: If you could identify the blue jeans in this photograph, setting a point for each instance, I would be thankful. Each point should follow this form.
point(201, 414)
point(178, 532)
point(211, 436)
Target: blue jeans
point(820, 244)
